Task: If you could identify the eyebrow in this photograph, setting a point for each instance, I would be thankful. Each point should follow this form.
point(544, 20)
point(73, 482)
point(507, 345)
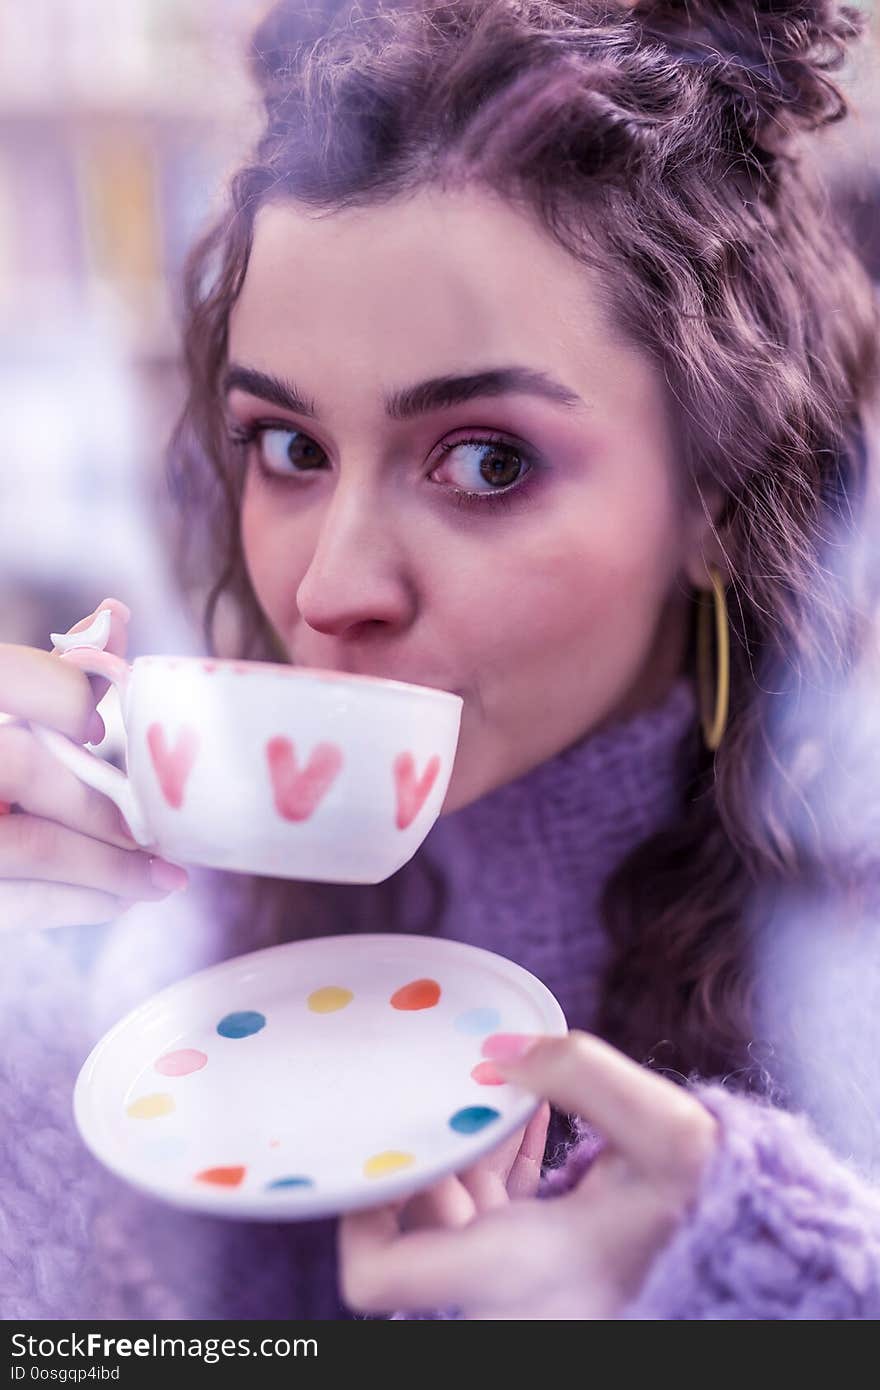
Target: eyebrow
point(437, 393)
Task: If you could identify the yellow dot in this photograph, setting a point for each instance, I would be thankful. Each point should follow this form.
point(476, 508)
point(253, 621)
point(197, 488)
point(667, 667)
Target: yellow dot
point(329, 999)
point(387, 1162)
point(148, 1107)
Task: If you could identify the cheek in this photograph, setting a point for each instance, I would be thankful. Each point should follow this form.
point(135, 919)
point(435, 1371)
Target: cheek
point(584, 576)
point(270, 552)
point(256, 540)
point(588, 573)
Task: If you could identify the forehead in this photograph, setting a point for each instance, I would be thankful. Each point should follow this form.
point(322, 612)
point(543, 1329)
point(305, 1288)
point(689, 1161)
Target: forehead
point(439, 278)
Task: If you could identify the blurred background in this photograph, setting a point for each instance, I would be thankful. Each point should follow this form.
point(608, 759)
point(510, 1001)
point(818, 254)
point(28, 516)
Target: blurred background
point(119, 122)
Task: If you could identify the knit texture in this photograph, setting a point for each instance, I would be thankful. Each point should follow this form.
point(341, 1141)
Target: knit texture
point(521, 869)
point(780, 1229)
point(518, 872)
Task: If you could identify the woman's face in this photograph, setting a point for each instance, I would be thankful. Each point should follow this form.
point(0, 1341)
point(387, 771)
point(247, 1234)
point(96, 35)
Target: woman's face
point(521, 541)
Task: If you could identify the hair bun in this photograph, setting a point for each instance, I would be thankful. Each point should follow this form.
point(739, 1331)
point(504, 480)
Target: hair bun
point(768, 59)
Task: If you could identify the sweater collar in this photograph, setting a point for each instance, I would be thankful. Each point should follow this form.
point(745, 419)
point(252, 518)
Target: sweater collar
point(520, 871)
point(611, 788)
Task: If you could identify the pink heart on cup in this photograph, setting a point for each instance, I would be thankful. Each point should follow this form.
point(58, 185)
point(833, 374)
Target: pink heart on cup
point(173, 765)
point(410, 793)
point(298, 793)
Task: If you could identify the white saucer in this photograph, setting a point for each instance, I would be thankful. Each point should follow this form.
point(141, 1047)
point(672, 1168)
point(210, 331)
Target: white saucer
point(308, 1079)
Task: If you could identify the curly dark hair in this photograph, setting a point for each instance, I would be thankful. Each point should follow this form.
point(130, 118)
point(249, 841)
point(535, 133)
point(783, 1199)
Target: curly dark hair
point(661, 144)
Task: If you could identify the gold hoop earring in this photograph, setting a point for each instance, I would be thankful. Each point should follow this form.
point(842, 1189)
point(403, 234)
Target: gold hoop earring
point(713, 722)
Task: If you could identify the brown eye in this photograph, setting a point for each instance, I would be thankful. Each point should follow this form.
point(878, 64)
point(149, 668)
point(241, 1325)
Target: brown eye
point(495, 462)
point(284, 450)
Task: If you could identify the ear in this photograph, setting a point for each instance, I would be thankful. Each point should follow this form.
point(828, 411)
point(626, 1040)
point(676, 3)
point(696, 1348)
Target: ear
point(706, 541)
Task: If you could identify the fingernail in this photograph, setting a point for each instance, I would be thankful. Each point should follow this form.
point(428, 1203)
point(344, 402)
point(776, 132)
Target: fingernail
point(508, 1047)
point(97, 731)
point(167, 876)
point(121, 608)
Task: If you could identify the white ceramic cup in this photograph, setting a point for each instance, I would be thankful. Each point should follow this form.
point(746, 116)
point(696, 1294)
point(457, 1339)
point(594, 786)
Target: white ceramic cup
point(287, 771)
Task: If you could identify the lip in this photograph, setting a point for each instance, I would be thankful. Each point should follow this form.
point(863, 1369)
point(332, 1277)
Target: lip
point(385, 676)
point(412, 680)
point(427, 685)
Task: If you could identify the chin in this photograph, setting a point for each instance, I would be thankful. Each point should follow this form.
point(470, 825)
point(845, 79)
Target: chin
point(456, 796)
point(463, 789)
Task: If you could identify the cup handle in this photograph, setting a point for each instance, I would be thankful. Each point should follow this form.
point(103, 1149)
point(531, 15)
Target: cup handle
point(88, 767)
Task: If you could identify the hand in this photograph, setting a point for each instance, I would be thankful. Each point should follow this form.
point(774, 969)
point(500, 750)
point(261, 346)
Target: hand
point(511, 1170)
point(65, 858)
point(581, 1255)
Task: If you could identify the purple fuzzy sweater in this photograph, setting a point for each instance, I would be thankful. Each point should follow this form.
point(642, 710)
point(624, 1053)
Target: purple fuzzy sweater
point(786, 1225)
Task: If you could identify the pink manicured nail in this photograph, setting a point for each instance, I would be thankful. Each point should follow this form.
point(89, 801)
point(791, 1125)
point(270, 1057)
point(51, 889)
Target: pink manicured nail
point(167, 876)
point(122, 609)
point(508, 1047)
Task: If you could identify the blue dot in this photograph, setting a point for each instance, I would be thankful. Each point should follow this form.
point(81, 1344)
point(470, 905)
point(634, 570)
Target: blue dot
point(241, 1025)
point(479, 1021)
point(290, 1182)
point(473, 1118)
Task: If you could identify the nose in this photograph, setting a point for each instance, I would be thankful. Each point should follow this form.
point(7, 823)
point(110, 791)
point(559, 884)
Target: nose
point(356, 574)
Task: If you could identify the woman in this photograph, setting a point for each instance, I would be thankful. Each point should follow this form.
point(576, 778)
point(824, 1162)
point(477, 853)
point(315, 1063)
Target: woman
point(527, 345)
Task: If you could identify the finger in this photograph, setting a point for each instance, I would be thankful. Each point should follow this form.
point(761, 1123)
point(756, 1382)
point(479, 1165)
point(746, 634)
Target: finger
point(486, 1180)
point(36, 685)
point(120, 616)
point(381, 1270)
point(39, 784)
point(446, 1203)
point(524, 1177)
point(43, 852)
point(649, 1119)
point(38, 906)
point(117, 642)
point(512, 1168)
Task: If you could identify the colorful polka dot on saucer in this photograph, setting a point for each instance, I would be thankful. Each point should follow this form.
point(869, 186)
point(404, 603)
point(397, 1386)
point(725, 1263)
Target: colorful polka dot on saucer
point(313, 1077)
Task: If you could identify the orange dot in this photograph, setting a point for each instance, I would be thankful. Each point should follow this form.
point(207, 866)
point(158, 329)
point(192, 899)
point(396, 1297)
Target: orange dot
point(418, 994)
point(487, 1075)
point(221, 1177)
